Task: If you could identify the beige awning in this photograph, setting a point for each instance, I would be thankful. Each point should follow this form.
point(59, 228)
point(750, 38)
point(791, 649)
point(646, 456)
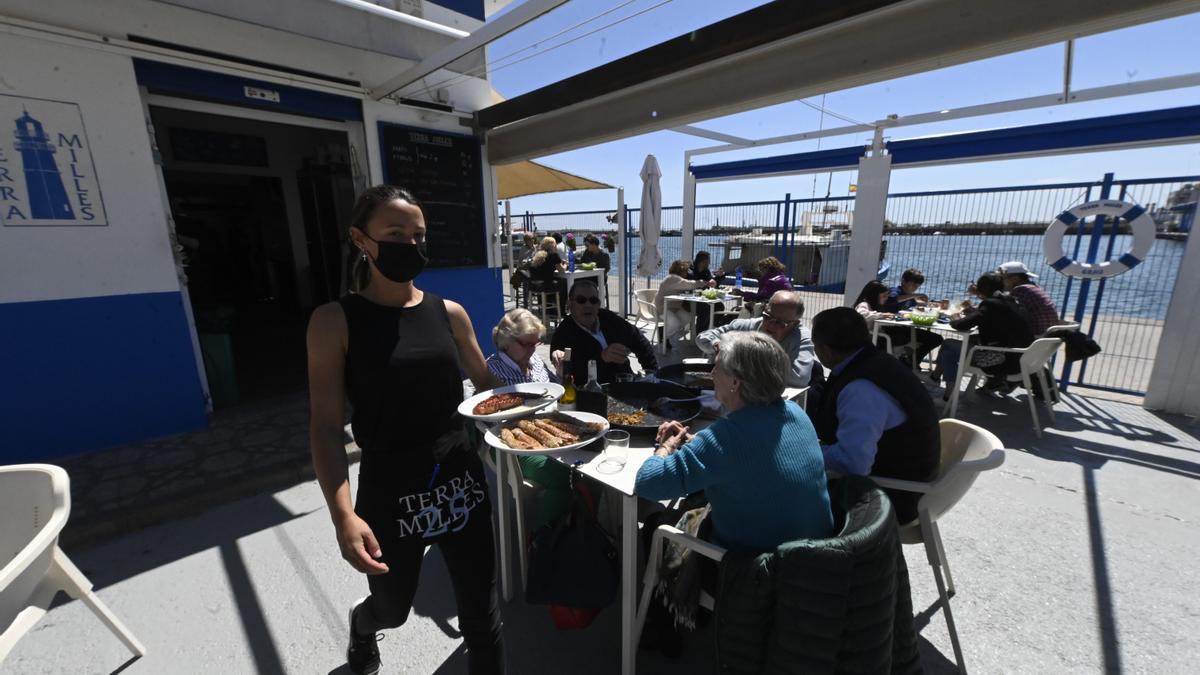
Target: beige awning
point(530, 178)
point(521, 179)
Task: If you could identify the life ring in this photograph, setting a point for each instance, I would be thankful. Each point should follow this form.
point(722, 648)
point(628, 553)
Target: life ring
point(1140, 223)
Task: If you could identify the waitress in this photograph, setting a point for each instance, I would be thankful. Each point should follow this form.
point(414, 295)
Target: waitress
point(396, 352)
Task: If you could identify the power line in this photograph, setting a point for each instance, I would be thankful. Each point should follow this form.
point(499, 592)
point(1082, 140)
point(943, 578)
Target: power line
point(823, 109)
point(476, 71)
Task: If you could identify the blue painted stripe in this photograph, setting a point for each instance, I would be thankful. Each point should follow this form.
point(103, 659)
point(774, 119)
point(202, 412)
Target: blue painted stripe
point(480, 290)
point(1153, 125)
point(1062, 263)
point(90, 373)
point(1129, 260)
point(822, 159)
point(1066, 217)
point(1133, 213)
point(207, 85)
point(471, 8)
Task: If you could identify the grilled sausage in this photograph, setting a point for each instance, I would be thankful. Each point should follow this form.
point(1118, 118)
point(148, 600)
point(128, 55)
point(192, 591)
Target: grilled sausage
point(548, 439)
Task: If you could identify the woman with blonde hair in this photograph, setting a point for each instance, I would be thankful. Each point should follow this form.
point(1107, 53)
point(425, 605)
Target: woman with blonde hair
point(542, 268)
point(516, 361)
point(675, 315)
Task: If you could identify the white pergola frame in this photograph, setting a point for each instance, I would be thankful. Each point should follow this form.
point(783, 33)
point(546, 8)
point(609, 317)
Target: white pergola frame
point(863, 270)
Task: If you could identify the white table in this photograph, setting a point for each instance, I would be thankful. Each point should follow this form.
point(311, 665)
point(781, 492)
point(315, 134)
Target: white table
point(621, 484)
point(943, 328)
point(700, 300)
point(599, 274)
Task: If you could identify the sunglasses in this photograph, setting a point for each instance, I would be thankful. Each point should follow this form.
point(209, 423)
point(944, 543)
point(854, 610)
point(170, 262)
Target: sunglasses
point(583, 300)
point(781, 322)
point(530, 345)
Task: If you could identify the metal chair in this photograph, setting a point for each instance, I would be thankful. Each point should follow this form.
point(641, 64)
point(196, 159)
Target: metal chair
point(36, 502)
point(543, 298)
point(967, 450)
point(1035, 361)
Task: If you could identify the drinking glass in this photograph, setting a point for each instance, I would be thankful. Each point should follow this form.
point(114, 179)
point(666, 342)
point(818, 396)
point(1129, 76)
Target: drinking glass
point(616, 451)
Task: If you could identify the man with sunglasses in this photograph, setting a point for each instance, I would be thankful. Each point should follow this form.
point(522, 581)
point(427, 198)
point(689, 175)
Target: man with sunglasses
point(781, 320)
point(592, 332)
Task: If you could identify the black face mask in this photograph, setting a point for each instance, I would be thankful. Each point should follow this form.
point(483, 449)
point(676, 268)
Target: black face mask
point(399, 262)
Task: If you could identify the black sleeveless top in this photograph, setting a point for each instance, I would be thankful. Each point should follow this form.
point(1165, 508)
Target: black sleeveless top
point(404, 382)
point(402, 374)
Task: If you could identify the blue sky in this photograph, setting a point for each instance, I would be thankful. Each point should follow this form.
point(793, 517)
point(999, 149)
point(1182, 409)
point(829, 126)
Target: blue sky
point(1143, 52)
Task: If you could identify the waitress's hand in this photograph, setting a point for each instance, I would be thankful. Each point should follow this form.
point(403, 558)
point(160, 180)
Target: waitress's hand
point(556, 358)
point(359, 546)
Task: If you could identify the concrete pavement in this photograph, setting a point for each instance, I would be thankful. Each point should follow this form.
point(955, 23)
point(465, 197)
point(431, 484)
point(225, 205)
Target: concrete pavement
point(1078, 555)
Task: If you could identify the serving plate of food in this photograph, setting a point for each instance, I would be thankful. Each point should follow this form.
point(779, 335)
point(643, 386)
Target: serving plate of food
point(631, 405)
point(505, 403)
point(547, 432)
point(694, 375)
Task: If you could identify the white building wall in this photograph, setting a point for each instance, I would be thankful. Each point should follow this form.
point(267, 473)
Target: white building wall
point(131, 254)
point(118, 19)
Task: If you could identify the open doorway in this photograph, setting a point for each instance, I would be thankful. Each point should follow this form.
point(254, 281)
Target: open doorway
point(260, 211)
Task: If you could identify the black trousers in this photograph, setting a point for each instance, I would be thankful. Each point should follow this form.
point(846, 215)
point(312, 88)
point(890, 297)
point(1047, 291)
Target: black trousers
point(927, 341)
point(471, 560)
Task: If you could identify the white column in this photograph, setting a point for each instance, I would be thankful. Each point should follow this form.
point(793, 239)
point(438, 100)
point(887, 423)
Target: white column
point(687, 243)
point(495, 252)
point(512, 248)
point(1175, 380)
point(621, 267)
point(870, 203)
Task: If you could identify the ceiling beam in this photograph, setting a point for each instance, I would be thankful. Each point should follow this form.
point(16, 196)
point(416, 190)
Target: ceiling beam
point(493, 30)
point(713, 135)
point(902, 39)
point(754, 28)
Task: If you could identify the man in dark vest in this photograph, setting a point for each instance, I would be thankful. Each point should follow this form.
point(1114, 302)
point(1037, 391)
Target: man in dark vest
point(874, 417)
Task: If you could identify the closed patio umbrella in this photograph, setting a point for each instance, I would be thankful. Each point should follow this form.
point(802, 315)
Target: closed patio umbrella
point(650, 216)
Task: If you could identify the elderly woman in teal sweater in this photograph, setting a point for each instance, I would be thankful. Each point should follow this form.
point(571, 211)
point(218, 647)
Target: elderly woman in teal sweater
point(760, 466)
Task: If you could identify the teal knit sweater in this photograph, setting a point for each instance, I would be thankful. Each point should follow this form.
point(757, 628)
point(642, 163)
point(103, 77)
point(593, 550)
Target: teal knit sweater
point(762, 470)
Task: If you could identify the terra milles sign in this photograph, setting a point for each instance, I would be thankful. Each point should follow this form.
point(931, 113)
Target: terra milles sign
point(47, 176)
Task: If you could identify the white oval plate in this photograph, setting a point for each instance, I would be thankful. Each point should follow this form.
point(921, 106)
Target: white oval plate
point(527, 408)
point(493, 435)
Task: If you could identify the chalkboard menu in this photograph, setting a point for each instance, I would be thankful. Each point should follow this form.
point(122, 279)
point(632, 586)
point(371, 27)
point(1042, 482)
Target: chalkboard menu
point(444, 172)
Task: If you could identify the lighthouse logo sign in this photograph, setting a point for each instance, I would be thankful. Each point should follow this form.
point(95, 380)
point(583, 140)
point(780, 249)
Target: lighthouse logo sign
point(47, 176)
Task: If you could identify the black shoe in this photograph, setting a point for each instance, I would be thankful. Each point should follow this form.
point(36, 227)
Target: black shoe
point(362, 656)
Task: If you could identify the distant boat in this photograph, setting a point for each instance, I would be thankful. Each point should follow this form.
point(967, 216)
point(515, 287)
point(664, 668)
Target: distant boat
point(817, 263)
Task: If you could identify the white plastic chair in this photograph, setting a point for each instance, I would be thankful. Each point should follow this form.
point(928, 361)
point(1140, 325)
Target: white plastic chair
point(967, 451)
point(646, 311)
point(1035, 359)
point(36, 502)
point(650, 577)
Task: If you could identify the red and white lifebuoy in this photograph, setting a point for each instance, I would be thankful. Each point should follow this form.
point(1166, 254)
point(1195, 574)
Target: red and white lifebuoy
point(1140, 223)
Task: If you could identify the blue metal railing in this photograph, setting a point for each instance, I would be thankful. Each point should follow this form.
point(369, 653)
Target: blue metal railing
point(1123, 313)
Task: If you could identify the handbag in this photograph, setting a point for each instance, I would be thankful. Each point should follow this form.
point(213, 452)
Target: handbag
point(573, 562)
point(1080, 346)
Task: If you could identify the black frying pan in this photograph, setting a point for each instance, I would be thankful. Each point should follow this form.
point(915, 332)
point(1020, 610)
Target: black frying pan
point(693, 375)
point(627, 397)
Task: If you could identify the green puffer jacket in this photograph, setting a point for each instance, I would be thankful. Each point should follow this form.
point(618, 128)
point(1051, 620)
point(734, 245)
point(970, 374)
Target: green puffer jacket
point(839, 605)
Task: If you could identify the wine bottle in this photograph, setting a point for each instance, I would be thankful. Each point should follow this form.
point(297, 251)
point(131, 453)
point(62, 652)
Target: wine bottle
point(592, 398)
point(567, 400)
